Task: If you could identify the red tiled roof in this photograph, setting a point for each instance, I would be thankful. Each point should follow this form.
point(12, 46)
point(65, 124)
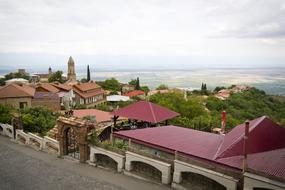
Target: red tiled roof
point(134, 93)
point(48, 87)
point(100, 115)
point(88, 94)
point(146, 111)
point(86, 86)
point(61, 86)
point(14, 90)
point(266, 144)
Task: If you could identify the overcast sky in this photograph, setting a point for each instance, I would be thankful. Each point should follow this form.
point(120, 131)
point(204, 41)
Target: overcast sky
point(142, 28)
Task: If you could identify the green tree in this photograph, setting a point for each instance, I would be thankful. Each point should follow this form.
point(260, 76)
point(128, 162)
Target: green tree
point(162, 87)
point(38, 120)
point(83, 80)
point(145, 89)
point(218, 88)
point(2, 81)
point(56, 77)
point(5, 113)
point(111, 84)
point(133, 82)
point(16, 75)
point(88, 73)
point(137, 87)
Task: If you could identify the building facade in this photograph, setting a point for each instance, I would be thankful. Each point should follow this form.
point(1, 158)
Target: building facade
point(17, 95)
point(89, 94)
point(190, 159)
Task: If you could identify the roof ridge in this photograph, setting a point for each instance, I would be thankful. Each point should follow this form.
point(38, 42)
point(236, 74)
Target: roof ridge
point(241, 136)
point(219, 148)
point(22, 89)
point(152, 112)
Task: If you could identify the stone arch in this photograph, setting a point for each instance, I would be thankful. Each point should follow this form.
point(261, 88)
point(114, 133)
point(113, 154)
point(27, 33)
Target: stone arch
point(118, 158)
point(146, 170)
point(106, 161)
point(80, 129)
point(211, 176)
point(163, 167)
point(197, 181)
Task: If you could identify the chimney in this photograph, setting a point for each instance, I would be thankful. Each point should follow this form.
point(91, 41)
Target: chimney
point(224, 121)
point(245, 145)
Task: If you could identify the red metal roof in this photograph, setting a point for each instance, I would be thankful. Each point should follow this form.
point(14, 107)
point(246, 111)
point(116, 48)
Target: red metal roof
point(264, 135)
point(269, 163)
point(266, 144)
point(134, 93)
point(173, 138)
point(146, 111)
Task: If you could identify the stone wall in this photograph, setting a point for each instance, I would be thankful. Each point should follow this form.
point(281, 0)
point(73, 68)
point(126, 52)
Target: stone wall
point(7, 130)
point(15, 102)
point(54, 105)
point(153, 151)
point(46, 144)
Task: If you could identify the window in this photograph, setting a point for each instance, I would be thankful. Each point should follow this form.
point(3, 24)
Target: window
point(23, 105)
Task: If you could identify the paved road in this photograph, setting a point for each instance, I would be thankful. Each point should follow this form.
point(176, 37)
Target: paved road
point(23, 168)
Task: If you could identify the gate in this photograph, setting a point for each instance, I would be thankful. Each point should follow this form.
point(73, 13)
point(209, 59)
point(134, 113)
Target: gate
point(71, 144)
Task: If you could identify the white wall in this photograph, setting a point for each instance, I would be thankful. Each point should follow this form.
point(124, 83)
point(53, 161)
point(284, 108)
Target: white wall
point(255, 181)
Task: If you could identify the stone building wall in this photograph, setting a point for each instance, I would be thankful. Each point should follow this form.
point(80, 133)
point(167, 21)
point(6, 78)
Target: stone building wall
point(15, 102)
point(52, 104)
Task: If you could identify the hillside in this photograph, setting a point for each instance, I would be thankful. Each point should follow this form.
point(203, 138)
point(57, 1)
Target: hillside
point(204, 112)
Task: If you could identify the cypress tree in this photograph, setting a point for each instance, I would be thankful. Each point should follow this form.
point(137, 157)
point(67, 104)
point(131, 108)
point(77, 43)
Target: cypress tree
point(88, 73)
point(137, 87)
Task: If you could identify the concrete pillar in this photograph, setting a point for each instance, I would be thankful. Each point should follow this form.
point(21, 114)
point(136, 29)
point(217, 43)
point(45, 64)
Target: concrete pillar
point(177, 178)
point(166, 177)
point(128, 166)
point(120, 166)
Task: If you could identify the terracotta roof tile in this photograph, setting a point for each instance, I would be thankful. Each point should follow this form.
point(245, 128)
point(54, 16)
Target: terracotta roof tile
point(61, 86)
point(88, 94)
point(14, 90)
point(48, 87)
point(134, 93)
point(86, 86)
point(100, 115)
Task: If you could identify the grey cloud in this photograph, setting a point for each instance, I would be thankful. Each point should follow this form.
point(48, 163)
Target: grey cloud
point(251, 19)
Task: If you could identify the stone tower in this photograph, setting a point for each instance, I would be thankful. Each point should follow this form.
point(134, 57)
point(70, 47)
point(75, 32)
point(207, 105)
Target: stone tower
point(71, 76)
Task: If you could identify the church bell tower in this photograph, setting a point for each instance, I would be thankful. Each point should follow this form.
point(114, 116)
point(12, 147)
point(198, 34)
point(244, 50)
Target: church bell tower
point(71, 76)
